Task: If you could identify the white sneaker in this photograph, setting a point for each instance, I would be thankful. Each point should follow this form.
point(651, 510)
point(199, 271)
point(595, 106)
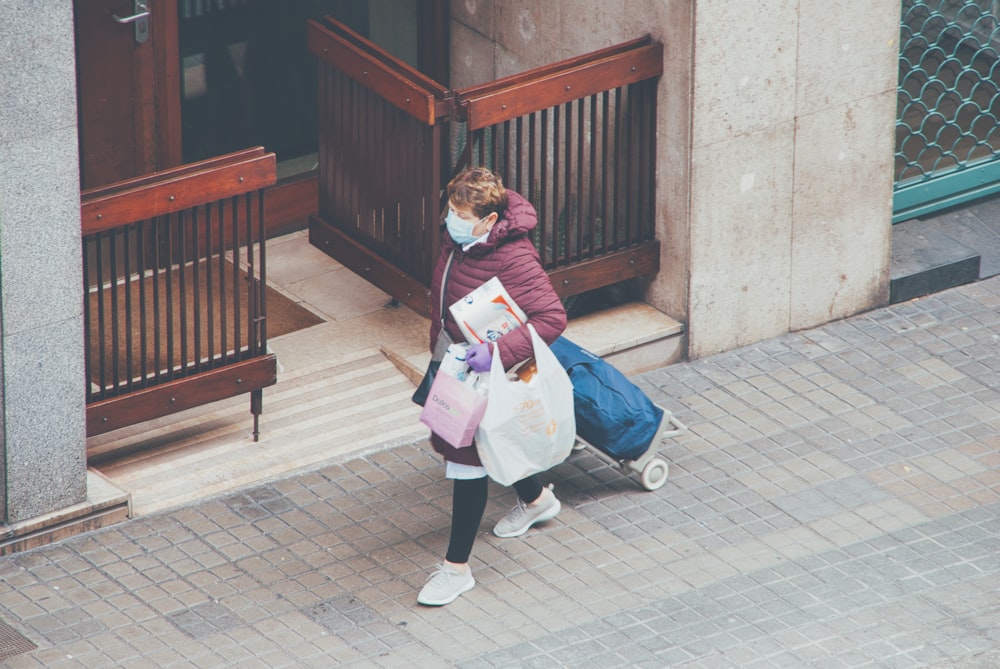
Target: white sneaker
point(523, 516)
point(445, 585)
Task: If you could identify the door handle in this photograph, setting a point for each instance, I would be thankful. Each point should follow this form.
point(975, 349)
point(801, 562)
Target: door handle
point(141, 9)
point(140, 19)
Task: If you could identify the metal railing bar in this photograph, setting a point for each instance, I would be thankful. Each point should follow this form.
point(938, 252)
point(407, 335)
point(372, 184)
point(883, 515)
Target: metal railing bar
point(88, 365)
point(184, 217)
point(581, 168)
point(251, 278)
point(558, 197)
point(128, 307)
point(196, 287)
point(113, 289)
point(592, 178)
point(616, 212)
point(157, 339)
point(170, 295)
point(606, 167)
point(529, 187)
point(141, 281)
point(262, 236)
point(210, 300)
point(649, 215)
point(548, 196)
point(237, 287)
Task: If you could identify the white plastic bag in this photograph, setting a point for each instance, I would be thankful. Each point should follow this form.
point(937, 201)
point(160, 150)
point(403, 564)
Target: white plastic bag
point(527, 427)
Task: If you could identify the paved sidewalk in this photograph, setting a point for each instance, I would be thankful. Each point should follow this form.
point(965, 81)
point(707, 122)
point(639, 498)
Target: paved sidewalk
point(835, 503)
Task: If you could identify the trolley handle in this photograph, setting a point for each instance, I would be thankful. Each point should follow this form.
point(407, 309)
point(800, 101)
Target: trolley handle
point(676, 427)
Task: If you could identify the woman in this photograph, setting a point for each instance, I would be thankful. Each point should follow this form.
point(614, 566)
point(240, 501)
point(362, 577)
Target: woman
point(489, 233)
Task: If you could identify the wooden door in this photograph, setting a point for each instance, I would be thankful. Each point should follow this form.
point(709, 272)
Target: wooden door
point(200, 73)
point(129, 110)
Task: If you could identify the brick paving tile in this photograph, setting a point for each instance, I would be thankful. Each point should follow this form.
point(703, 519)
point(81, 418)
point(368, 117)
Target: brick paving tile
point(835, 502)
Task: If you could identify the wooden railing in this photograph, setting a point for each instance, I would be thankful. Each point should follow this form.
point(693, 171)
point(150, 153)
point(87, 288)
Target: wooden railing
point(174, 274)
point(380, 162)
point(578, 138)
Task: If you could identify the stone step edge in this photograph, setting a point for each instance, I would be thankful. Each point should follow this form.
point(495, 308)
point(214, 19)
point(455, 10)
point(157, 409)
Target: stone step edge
point(610, 333)
point(927, 260)
point(105, 505)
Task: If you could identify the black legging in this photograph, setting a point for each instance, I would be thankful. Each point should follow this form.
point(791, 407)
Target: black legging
point(468, 504)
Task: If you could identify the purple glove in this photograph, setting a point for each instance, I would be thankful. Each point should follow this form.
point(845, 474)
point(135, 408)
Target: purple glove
point(479, 357)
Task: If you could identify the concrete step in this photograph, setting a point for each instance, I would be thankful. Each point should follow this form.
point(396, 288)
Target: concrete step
point(315, 414)
point(634, 337)
point(105, 505)
point(338, 407)
point(926, 259)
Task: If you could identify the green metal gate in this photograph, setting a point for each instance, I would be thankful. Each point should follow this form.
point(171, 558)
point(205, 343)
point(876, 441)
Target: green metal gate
point(948, 125)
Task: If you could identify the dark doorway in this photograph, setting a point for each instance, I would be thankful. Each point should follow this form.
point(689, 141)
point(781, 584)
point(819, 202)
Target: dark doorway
point(214, 76)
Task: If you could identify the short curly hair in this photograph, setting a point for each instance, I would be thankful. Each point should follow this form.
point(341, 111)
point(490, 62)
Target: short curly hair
point(479, 189)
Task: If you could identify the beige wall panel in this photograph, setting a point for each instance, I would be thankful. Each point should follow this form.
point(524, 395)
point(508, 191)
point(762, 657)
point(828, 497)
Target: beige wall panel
point(477, 15)
point(472, 60)
point(741, 229)
point(512, 62)
point(842, 232)
point(745, 67)
point(594, 25)
point(672, 24)
point(848, 50)
point(530, 31)
point(668, 290)
point(759, 221)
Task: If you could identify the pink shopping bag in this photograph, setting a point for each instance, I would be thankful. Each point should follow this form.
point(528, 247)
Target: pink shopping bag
point(453, 410)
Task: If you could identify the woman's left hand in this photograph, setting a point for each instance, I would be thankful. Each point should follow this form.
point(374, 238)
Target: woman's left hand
point(479, 358)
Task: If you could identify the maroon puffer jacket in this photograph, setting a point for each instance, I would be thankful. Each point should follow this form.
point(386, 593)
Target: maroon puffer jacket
point(510, 255)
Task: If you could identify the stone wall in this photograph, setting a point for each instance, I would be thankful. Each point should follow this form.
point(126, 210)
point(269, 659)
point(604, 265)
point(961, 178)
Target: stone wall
point(42, 404)
point(791, 181)
point(775, 146)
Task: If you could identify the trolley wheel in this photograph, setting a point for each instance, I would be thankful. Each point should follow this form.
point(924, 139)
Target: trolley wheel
point(654, 474)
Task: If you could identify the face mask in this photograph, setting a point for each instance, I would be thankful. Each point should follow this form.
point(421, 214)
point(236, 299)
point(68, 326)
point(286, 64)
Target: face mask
point(459, 228)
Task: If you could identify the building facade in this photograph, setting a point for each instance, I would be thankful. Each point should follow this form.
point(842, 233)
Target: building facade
point(774, 184)
point(42, 417)
point(775, 147)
